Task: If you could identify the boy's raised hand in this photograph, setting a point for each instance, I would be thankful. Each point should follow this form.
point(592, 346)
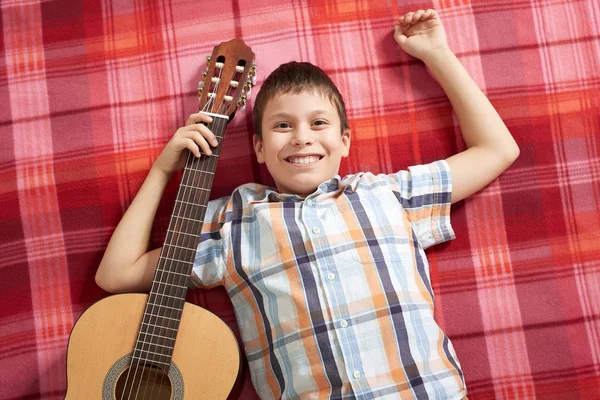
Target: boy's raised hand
point(420, 33)
point(193, 136)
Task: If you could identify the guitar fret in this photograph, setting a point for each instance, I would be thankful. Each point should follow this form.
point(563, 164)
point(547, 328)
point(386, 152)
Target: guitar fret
point(194, 187)
point(153, 353)
point(162, 316)
point(183, 233)
point(189, 219)
point(158, 336)
point(199, 170)
point(159, 326)
point(191, 204)
point(155, 344)
point(139, 359)
point(173, 273)
point(172, 297)
point(171, 284)
point(180, 247)
point(160, 305)
point(175, 259)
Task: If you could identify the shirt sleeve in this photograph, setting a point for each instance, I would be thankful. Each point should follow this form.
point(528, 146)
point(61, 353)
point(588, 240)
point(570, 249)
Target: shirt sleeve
point(212, 251)
point(425, 193)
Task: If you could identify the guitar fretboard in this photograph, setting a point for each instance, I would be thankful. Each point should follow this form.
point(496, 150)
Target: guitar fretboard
point(161, 318)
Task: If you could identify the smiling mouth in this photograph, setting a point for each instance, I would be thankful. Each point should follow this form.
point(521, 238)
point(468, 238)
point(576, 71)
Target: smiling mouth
point(303, 159)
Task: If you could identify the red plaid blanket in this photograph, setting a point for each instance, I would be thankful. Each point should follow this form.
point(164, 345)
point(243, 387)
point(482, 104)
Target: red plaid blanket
point(91, 91)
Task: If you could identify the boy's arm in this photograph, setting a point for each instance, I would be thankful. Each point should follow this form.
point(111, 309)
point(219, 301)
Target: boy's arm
point(127, 265)
point(491, 147)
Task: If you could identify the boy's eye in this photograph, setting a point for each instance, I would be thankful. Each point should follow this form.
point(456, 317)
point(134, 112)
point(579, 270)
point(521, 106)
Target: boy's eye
point(283, 125)
point(320, 122)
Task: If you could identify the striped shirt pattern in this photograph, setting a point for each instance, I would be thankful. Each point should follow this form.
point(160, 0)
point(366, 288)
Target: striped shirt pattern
point(332, 293)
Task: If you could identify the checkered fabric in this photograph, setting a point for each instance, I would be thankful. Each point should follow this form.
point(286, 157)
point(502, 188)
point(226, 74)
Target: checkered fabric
point(92, 90)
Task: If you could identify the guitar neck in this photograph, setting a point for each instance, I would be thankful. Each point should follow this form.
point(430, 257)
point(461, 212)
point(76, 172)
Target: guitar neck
point(172, 276)
point(179, 248)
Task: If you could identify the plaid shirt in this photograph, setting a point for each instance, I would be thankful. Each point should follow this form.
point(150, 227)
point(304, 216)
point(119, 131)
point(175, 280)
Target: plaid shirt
point(332, 293)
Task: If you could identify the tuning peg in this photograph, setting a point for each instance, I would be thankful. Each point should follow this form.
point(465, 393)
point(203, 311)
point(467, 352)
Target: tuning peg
point(252, 73)
point(207, 58)
point(242, 103)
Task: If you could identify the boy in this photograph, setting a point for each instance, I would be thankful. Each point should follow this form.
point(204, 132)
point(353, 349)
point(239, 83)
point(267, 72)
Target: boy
point(328, 276)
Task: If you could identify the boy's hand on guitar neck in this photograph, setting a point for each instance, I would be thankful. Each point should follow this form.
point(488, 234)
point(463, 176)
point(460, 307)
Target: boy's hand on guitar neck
point(194, 136)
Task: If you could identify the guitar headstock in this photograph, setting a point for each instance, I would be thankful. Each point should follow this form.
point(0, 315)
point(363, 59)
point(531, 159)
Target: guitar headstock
point(228, 79)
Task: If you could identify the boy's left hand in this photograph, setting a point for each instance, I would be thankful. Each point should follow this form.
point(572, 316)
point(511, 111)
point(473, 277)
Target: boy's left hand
point(420, 33)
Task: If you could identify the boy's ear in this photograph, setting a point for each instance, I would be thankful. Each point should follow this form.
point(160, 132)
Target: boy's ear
point(258, 149)
point(346, 136)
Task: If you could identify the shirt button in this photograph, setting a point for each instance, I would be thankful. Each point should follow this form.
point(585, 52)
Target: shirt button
point(356, 375)
point(330, 276)
point(316, 230)
point(344, 323)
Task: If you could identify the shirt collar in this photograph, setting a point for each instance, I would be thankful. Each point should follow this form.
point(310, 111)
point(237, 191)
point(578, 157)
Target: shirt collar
point(271, 195)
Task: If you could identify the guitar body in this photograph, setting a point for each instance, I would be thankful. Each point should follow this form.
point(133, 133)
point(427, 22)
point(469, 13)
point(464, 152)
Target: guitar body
point(204, 365)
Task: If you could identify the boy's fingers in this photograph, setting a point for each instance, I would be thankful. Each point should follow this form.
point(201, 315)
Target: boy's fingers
point(199, 117)
point(204, 132)
point(418, 15)
point(194, 147)
point(200, 142)
point(201, 131)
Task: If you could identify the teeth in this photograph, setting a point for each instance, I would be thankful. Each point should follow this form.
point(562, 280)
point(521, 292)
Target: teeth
point(303, 160)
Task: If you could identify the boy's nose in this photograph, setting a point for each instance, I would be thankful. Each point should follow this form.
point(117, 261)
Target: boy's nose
point(301, 138)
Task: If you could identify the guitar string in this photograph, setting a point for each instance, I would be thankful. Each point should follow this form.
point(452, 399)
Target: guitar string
point(174, 299)
point(164, 273)
point(189, 174)
point(141, 351)
point(173, 253)
point(204, 164)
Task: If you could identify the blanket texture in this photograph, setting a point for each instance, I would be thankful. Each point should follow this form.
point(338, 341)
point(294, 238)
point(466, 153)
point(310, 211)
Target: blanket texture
point(92, 90)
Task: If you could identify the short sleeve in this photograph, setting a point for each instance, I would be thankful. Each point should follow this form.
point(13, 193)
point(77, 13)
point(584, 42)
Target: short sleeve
point(212, 251)
point(425, 192)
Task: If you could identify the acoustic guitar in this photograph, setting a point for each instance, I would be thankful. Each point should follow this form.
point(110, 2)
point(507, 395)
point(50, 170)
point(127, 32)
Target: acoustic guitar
point(157, 345)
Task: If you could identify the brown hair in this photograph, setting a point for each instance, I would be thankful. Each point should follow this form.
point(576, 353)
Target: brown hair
point(296, 77)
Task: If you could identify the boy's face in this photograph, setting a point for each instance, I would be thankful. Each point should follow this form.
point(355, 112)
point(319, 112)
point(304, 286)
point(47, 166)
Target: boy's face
point(301, 141)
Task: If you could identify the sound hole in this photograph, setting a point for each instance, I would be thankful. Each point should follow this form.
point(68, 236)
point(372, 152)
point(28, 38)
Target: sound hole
point(143, 382)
